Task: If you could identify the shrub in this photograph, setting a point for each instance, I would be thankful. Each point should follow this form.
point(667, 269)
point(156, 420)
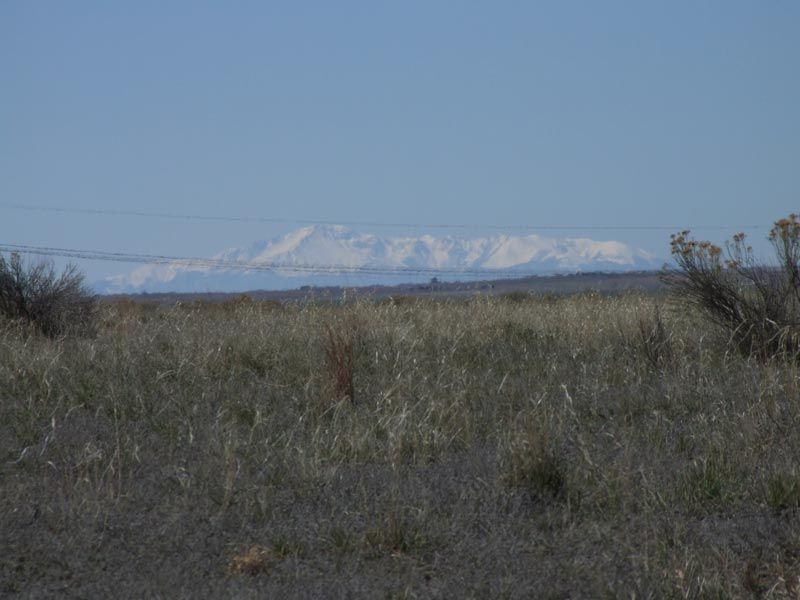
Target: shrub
point(34, 292)
point(757, 303)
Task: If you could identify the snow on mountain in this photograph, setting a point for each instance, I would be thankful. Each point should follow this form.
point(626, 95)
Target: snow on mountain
point(340, 250)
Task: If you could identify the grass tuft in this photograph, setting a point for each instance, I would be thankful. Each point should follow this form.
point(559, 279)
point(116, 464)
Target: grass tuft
point(533, 459)
point(252, 561)
point(783, 491)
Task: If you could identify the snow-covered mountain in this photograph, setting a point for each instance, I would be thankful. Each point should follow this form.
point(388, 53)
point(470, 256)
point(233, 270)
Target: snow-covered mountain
point(335, 255)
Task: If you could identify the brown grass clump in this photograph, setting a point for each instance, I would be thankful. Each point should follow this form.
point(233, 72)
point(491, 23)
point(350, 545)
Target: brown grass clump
point(252, 561)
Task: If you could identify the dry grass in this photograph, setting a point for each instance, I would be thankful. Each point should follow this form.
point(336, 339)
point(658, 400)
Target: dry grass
point(582, 446)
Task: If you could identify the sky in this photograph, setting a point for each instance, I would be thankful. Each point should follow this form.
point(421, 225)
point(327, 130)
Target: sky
point(573, 114)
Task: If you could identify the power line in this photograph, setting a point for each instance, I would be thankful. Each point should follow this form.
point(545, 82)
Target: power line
point(215, 263)
point(258, 219)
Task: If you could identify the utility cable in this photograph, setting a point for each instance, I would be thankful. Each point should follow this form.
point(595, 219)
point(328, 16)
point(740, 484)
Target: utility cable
point(223, 264)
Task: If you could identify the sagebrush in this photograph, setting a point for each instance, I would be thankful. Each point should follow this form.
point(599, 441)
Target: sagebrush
point(34, 292)
point(757, 303)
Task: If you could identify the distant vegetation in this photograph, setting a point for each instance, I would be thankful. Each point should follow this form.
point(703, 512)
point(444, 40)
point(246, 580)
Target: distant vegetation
point(524, 445)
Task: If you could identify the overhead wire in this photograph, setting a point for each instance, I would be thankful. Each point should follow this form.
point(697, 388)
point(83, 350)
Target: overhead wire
point(218, 263)
point(262, 266)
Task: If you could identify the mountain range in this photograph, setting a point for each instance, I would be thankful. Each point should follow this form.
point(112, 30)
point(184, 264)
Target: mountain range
point(336, 255)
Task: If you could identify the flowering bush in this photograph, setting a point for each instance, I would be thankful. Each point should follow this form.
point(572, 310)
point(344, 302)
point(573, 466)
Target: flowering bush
point(759, 304)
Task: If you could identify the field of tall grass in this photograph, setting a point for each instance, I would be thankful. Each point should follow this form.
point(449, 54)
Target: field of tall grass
point(581, 446)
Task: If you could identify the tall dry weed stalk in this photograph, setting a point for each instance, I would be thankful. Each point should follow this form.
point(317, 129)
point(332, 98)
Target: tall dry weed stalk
point(339, 345)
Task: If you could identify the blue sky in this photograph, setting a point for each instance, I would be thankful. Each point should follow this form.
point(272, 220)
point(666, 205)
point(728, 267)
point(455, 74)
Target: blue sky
point(535, 113)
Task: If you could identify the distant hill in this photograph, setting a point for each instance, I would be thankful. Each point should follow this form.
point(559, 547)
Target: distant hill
point(336, 256)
